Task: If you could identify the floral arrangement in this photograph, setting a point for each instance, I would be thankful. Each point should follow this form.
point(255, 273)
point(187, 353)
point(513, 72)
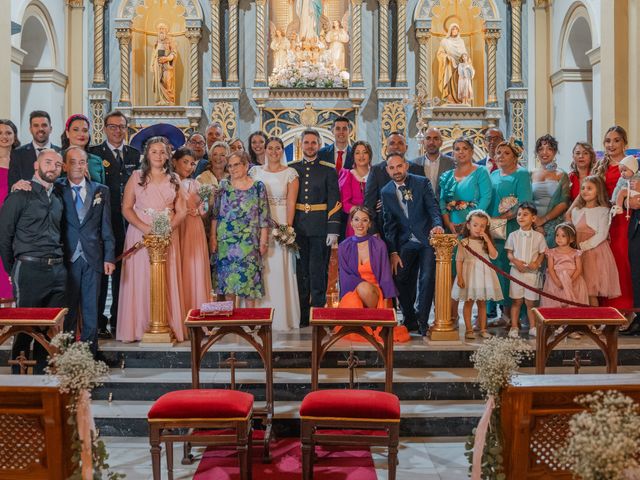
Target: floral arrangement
point(285, 235)
point(497, 361)
point(407, 195)
point(507, 204)
point(604, 440)
point(205, 191)
point(77, 373)
point(160, 222)
point(309, 75)
point(459, 205)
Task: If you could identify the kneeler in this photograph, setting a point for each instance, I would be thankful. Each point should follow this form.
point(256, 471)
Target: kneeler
point(350, 417)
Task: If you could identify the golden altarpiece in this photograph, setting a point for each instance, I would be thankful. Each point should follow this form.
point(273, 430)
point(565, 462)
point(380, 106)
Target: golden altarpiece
point(283, 65)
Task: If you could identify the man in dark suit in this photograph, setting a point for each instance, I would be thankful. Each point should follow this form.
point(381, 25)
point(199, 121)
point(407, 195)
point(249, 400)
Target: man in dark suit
point(433, 162)
point(119, 161)
point(492, 138)
point(198, 145)
point(23, 158)
point(316, 222)
point(378, 178)
point(338, 153)
point(411, 214)
point(634, 258)
point(89, 245)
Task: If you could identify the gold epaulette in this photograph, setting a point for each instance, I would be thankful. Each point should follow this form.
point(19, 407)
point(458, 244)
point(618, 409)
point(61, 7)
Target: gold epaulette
point(327, 164)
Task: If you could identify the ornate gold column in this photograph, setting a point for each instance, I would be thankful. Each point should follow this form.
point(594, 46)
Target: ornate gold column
point(516, 41)
point(356, 44)
point(158, 330)
point(98, 41)
point(492, 47)
point(215, 41)
point(261, 71)
point(401, 42)
point(193, 34)
point(443, 328)
point(383, 76)
point(232, 68)
point(424, 63)
point(124, 38)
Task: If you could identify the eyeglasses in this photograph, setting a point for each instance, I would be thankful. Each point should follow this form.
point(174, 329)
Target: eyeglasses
point(200, 144)
point(233, 165)
point(113, 127)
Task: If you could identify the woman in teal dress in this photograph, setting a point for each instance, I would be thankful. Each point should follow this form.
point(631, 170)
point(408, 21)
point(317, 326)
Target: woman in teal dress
point(77, 133)
point(239, 232)
point(511, 186)
point(551, 189)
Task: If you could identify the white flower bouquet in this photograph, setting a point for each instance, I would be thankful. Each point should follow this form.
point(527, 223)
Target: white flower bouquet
point(285, 235)
point(205, 191)
point(160, 222)
point(308, 75)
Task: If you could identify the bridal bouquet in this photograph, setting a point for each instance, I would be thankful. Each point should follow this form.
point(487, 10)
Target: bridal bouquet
point(160, 222)
point(205, 191)
point(285, 235)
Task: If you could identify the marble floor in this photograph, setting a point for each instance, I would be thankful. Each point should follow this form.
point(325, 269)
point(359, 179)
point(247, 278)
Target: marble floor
point(420, 459)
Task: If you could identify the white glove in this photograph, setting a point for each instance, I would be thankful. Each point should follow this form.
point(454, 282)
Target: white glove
point(332, 239)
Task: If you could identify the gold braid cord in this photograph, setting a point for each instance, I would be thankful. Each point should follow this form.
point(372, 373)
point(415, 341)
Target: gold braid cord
point(401, 42)
point(261, 76)
point(98, 42)
point(124, 37)
point(233, 41)
point(215, 41)
point(356, 46)
point(193, 34)
point(384, 41)
point(516, 33)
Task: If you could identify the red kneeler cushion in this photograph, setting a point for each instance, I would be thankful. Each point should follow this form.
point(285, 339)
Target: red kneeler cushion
point(29, 314)
point(586, 313)
point(356, 404)
point(202, 403)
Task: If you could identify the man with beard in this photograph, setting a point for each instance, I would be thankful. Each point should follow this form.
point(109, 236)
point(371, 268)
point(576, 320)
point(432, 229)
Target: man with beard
point(434, 162)
point(411, 214)
point(31, 247)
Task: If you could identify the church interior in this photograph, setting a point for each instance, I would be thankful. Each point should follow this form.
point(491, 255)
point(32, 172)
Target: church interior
point(560, 73)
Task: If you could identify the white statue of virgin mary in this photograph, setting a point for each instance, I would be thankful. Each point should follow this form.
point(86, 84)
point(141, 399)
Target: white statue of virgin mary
point(309, 12)
point(449, 54)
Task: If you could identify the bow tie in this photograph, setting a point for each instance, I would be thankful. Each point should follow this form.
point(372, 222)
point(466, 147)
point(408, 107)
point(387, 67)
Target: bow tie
point(526, 234)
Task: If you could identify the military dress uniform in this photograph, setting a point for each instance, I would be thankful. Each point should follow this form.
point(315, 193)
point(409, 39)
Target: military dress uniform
point(318, 210)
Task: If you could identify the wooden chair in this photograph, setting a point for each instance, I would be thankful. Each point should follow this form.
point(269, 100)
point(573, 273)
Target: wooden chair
point(376, 414)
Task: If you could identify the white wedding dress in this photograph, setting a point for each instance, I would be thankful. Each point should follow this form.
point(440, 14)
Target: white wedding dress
point(278, 272)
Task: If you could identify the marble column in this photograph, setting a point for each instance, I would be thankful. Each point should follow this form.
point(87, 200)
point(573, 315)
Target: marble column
point(194, 35)
point(424, 61)
point(492, 48)
point(124, 38)
point(356, 42)
point(261, 70)
point(215, 41)
point(541, 83)
point(401, 43)
point(516, 41)
point(383, 47)
point(232, 67)
point(75, 62)
point(98, 41)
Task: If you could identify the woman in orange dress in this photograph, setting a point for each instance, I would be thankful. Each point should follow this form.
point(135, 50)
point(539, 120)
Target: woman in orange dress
point(364, 271)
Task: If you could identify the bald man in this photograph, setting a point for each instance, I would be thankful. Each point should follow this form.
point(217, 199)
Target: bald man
point(433, 161)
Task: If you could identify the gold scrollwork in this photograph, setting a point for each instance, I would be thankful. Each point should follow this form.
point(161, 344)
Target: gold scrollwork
point(224, 114)
point(393, 119)
point(276, 121)
point(476, 134)
point(97, 121)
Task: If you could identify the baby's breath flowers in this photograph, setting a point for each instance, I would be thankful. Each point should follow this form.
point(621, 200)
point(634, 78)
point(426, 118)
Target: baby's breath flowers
point(604, 440)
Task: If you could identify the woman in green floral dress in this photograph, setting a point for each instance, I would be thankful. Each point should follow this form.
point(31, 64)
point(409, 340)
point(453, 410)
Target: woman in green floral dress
point(239, 232)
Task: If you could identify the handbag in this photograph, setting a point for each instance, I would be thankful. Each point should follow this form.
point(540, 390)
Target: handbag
point(498, 228)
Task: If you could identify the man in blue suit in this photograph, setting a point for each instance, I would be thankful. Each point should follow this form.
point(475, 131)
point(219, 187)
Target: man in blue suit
point(338, 153)
point(411, 214)
point(89, 244)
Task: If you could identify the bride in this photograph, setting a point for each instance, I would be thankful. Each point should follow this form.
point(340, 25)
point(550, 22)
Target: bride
point(280, 286)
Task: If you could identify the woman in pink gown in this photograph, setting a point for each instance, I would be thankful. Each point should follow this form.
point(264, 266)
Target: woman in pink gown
point(615, 142)
point(196, 279)
point(152, 189)
point(8, 141)
point(352, 182)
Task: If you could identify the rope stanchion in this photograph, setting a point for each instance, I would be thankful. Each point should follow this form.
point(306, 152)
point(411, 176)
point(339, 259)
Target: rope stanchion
point(130, 251)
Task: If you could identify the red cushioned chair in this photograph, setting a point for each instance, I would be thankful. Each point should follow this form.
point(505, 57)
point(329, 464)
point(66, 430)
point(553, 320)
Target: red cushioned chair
point(329, 417)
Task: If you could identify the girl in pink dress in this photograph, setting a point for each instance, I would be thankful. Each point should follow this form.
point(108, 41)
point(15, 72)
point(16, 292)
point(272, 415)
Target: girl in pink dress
point(591, 220)
point(151, 189)
point(8, 141)
point(564, 269)
point(196, 278)
point(352, 182)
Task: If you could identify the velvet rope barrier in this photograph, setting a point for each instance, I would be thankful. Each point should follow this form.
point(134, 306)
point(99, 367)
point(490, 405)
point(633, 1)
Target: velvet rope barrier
point(130, 251)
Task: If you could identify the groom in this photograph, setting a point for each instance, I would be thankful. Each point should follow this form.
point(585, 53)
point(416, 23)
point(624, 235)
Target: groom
point(411, 213)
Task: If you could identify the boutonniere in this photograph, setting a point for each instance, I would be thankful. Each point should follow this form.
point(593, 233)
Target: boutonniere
point(97, 200)
point(407, 195)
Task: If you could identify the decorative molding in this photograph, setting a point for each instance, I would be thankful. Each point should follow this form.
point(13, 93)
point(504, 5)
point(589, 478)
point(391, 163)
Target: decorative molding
point(571, 75)
point(289, 122)
point(492, 37)
point(383, 48)
point(594, 56)
point(308, 93)
point(232, 35)
point(44, 75)
point(98, 111)
point(192, 8)
point(216, 76)
point(356, 44)
point(357, 94)
point(542, 3)
point(223, 93)
point(261, 53)
point(392, 119)
point(103, 94)
point(194, 34)
point(98, 41)
point(516, 39)
point(453, 112)
point(176, 115)
point(517, 118)
point(423, 35)
point(74, 3)
point(401, 42)
point(393, 93)
point(124, 38)
point(423, 12)
point(17, 55)
point(224, 114)
point(517, 94)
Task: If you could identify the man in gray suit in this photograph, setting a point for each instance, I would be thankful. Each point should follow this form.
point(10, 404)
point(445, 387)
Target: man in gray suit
point(433, 162)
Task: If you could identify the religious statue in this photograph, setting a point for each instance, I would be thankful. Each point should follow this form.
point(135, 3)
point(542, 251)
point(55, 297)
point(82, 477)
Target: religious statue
point(337, 38)
point(280, 46)
point(163, 68)
point(309, 12)
point(466, 72)
point(451, 49)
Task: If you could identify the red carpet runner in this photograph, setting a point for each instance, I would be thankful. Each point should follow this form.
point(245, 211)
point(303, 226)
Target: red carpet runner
point(331, 464)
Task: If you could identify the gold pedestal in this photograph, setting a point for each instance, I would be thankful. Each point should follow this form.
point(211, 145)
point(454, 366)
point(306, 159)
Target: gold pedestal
point(159, 330)
point(443, 329)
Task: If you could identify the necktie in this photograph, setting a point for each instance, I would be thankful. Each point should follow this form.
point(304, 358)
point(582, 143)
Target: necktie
point(339, 161)
point(78, 198)
point(40, 149)
point(119, 157)
point(403, 190)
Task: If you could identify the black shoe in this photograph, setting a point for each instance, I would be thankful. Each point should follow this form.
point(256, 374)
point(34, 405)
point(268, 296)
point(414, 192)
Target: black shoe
point(411, 326)
point(104, 334)
point(633, 330)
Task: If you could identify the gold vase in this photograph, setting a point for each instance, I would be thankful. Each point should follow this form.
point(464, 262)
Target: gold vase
point(443, 328)
point(158, 330)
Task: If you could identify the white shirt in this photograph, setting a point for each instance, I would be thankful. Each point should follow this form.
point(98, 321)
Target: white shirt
point(83, 189)
point(526, 245)
point(38, 148)
point(431, 169)
point(116, 149)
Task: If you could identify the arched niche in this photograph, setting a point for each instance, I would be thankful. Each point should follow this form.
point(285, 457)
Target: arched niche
point(38, 34)
point(576, 38)
point(424, 10)
point(192, 8)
